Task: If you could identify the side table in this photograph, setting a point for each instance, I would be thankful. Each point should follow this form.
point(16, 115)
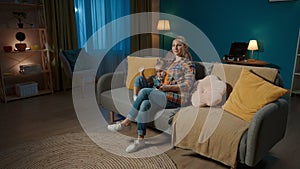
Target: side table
point(249, 62)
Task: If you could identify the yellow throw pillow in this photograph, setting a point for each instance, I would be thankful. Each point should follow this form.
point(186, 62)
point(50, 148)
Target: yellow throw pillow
point(250, 94)
point(134, 63)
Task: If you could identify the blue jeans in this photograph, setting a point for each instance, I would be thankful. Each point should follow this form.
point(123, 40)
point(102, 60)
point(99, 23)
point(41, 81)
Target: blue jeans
point(141, 82)
point(148, 102)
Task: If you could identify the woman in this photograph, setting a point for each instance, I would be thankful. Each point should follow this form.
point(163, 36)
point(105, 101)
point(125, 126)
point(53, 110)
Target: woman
point(173, 93)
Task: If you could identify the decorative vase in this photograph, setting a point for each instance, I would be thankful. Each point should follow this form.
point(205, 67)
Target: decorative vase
point(21, 46)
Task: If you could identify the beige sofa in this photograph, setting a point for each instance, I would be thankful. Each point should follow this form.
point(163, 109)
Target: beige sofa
point(265, 129)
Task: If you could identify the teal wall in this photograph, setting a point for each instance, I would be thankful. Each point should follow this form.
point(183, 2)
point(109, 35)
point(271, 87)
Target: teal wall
point(275, 25)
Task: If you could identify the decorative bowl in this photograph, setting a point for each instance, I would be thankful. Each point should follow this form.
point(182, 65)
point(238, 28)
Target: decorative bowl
point(7, 48)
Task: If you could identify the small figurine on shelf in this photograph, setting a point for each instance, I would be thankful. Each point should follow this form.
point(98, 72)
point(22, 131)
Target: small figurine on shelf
point(20, 16)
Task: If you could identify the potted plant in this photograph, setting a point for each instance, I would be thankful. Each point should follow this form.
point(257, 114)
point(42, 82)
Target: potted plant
point(20, 16)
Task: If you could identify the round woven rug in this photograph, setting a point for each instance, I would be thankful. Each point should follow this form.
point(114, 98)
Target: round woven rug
point(74, 150)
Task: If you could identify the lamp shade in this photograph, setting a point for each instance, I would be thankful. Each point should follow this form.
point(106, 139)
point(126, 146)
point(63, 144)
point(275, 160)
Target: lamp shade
point(252, 45)
point(163, 25)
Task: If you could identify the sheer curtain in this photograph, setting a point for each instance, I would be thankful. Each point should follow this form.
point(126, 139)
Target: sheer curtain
point(93, 15)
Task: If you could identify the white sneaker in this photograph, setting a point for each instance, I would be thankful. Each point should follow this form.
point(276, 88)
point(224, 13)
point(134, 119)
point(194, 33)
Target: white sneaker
point(118, 126)
point(136, 145)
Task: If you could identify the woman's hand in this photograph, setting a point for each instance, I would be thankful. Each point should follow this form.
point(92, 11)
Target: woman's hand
point(164, 88)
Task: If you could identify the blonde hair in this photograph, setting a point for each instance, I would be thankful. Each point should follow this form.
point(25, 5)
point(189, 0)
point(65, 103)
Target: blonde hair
point(186, 53)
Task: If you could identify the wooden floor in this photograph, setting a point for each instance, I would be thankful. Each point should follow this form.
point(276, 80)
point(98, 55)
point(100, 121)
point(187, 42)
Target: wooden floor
point(39, 117)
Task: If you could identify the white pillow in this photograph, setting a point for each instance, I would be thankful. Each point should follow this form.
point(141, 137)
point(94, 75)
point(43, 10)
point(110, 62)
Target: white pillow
point(210, 91)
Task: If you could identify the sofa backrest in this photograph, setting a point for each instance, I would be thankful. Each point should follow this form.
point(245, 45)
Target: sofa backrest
point(230, 73)
point(200, 70)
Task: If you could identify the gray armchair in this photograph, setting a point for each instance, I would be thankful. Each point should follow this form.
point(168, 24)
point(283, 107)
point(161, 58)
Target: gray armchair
point(68, 59)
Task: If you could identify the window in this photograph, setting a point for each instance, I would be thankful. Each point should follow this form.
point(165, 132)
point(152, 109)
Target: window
point(93, 15)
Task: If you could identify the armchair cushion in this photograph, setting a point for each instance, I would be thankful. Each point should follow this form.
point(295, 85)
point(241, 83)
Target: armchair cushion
point(71, 56)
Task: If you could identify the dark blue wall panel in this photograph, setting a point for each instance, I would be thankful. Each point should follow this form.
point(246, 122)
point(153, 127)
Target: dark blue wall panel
point(275, 26)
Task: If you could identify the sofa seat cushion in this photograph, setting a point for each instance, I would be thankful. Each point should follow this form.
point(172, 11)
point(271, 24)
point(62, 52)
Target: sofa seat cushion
point(118, 100)
point(207, 127)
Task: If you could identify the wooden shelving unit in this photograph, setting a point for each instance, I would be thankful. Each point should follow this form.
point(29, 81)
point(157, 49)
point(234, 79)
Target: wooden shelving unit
point(295, 88)
point(36, 54)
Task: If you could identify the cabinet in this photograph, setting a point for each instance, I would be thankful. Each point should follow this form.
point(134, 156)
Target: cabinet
point(295, 88)
point(20, 68)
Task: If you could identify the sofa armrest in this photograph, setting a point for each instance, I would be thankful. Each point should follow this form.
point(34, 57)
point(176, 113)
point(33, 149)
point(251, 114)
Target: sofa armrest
point(266, 129)
point(109, 81)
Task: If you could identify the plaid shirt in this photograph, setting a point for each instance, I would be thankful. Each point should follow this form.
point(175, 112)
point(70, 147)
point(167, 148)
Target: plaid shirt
point(181, 73)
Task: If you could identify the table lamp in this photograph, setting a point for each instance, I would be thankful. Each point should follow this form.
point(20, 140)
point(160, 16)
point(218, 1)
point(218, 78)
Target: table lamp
point(163, 25)
point(252, 46)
